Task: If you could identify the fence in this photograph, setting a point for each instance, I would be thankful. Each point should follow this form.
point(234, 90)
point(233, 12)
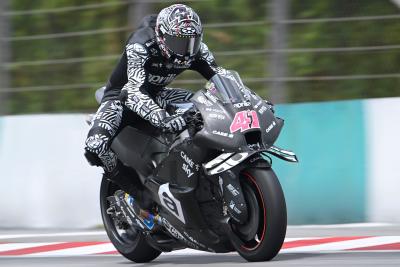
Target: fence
point(345, 47)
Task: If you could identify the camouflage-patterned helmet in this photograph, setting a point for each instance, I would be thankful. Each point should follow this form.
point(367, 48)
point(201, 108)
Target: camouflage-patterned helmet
point(179, 33)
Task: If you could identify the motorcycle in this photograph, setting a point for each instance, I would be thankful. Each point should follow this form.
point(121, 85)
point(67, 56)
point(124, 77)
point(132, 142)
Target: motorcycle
point(212, 187)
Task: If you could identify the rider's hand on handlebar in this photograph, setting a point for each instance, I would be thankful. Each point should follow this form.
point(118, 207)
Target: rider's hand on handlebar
point(193, 117)
point(173, 124)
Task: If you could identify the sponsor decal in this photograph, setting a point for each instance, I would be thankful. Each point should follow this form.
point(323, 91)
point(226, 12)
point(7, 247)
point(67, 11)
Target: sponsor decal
point(187, 170)
point(139, 48)
point(232, 189)
point(186, 65)
point(216, 116)
point(202, 100)
point(191, 239)
point(189, 161)
point(179, 64)
point(157, 65)
point(175, 233)
point(153, 51)
point(262, 109)
point(157, 79)
point(188, 165)
point(188, 30)
point(150, 43)
point(215, 110)
point(242, 104)
point(258, 104)
point(233, 207)
point(245, 94)
point(244, 120)
point(170, 202)
point(180, 111)
point(229, 135)
point(272, 125)
point(211, 97)
point(255, 97)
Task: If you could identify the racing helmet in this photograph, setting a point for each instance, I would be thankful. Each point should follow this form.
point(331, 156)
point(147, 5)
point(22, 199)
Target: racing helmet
point(179, 33)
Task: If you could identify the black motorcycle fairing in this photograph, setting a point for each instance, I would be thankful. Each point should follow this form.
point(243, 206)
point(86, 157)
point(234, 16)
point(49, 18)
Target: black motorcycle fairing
point(182, 164)
point(193, 207)
point(176, 181)
point(215, 116)
point(189, 228)
point(224, 126)
point(139, 145)
point(161, 169)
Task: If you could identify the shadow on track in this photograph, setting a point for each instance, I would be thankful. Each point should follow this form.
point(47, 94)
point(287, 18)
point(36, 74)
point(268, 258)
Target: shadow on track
point(217, 259)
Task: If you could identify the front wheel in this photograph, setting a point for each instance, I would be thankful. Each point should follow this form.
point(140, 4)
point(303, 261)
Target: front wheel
point(264, 232)
point(127, 240)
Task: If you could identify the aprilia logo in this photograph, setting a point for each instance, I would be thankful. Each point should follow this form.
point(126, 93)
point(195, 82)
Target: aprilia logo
point(157, 79)
point(170, 202)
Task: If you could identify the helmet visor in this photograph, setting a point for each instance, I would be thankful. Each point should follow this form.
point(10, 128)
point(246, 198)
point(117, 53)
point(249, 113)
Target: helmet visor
point(183, 46)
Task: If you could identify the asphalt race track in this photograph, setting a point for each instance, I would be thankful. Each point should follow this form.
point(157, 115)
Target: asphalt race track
point(335, 245)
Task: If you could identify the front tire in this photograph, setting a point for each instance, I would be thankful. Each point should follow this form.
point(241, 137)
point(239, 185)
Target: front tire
point(129, 242)
point(266, 202)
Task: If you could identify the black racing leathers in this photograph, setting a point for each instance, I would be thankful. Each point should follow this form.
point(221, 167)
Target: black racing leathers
point(142, 75)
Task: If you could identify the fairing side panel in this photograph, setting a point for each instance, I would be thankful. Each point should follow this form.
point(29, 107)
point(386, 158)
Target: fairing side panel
point(138, 150)
point(227, 138)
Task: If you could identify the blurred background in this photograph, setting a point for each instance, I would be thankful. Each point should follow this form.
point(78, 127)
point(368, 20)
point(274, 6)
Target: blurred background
point(331, 66)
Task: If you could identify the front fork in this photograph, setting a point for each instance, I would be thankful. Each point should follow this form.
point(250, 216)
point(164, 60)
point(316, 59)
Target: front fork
point(234, 201)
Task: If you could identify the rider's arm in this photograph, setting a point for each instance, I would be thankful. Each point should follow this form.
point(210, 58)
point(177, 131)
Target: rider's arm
point(205, 63)
point(137, 99)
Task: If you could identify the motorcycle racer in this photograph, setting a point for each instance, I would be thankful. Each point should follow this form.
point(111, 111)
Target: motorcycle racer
point(163, 47)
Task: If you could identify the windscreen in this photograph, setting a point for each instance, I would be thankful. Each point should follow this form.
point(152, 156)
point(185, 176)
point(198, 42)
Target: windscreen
point(228, 87)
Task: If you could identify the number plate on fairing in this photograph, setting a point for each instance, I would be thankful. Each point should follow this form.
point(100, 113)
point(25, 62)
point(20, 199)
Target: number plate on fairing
point(245, 120)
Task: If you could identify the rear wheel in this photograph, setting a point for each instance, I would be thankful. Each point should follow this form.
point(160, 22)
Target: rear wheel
point(127, 240)
point(264, 232)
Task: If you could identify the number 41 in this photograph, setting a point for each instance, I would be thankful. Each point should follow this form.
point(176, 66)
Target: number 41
point(244, 120)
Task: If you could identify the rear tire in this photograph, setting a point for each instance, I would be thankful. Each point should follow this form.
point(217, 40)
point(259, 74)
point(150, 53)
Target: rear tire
point(130, 243)
point(263, 185)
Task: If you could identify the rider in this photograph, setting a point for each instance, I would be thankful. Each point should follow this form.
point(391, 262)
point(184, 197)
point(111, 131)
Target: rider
point(162, 48)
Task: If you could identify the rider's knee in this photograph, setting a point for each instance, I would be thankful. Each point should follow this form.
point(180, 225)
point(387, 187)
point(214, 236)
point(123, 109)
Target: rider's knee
point(93, 158)
point(98, 140)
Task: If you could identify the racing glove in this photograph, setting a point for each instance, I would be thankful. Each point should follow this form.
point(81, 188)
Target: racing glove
point(193, 117)
point(173, 124)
